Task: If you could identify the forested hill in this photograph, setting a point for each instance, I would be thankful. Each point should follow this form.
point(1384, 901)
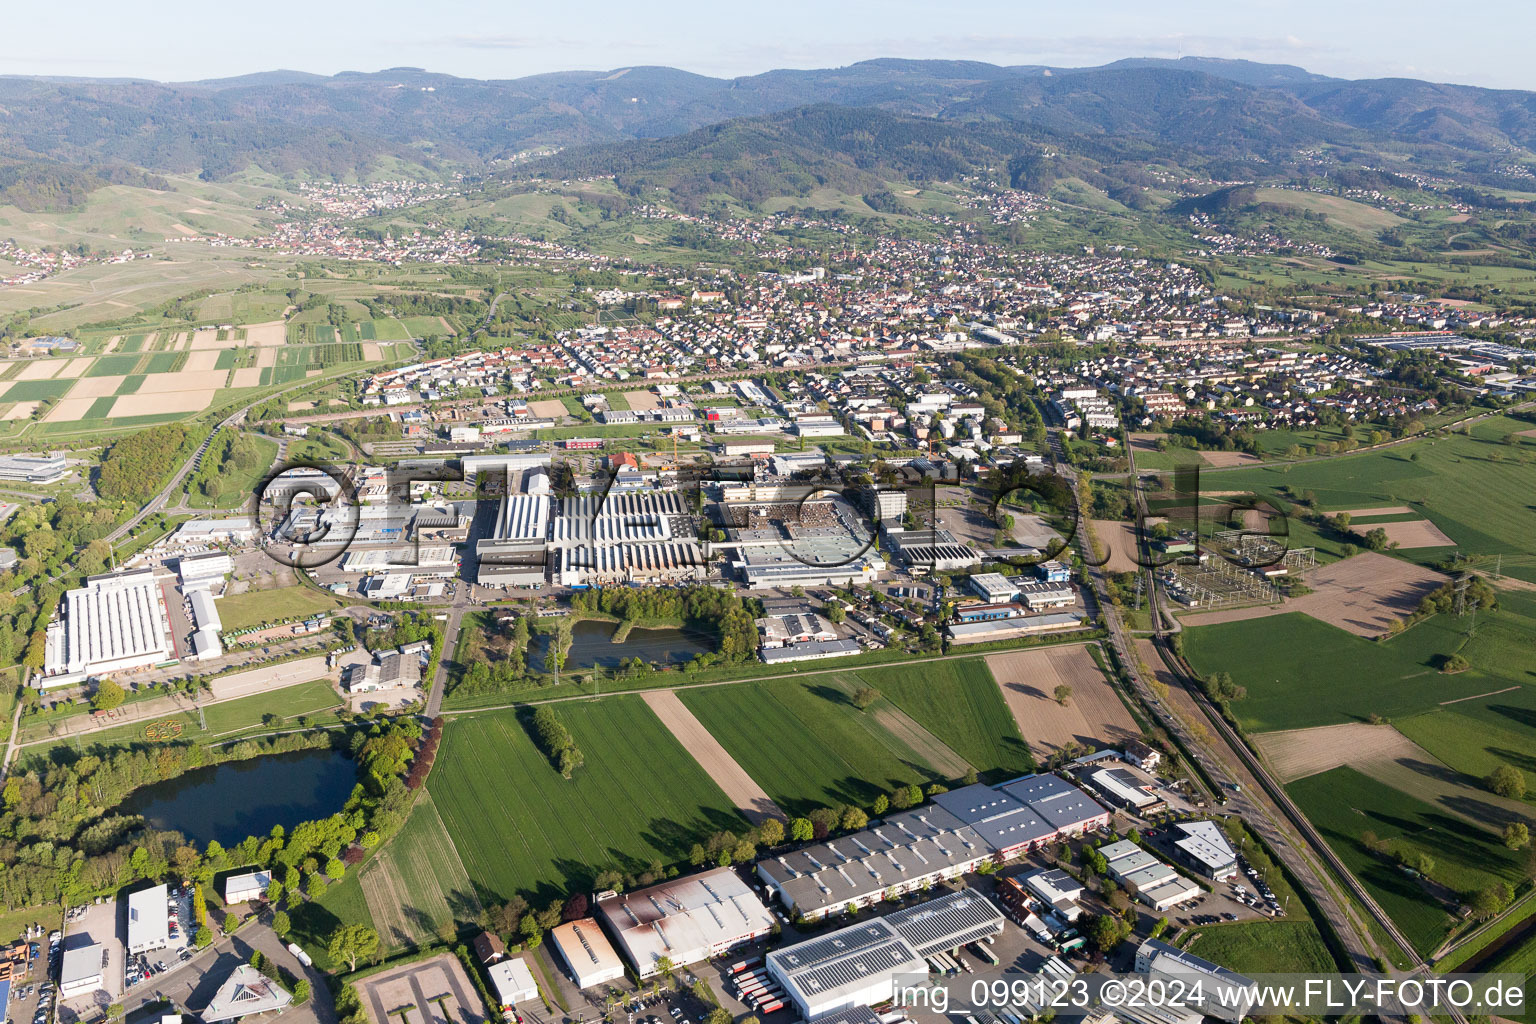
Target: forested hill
point(791, 153)
point(357, 123)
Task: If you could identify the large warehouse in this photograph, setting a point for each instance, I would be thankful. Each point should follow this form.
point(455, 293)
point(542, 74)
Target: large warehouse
point(685, 920)
point(859, 965)
point(910, 849)
point(903, 853)
point(115, 623)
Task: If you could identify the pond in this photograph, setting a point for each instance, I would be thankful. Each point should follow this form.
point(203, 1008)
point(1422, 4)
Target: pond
point(228, 802)
point(592, 644)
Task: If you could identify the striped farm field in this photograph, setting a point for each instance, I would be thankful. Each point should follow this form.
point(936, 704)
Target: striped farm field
point(959, 702)
point(521, 828)
point(417, 884)
point(806, 744)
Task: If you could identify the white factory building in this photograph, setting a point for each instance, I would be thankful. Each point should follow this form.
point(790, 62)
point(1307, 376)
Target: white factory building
point(149, 922)
point(80, 970)
point(1229, 1001)
point(685, 920)
point(242, 888)
point(859, 965)
point(205, 616)
point(115, 623)
point(203, 570)
point(513, 982)
point(587, 953)
point(1153, 881)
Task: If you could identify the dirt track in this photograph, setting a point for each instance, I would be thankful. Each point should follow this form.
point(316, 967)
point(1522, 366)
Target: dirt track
point(1094, 716)
point(738, 786)
point(928, 746)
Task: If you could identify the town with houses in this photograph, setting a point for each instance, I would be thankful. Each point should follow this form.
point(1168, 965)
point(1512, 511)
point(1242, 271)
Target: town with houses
point(808, 631)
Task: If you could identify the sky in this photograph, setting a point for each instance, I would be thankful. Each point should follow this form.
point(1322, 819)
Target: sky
point(183, 40)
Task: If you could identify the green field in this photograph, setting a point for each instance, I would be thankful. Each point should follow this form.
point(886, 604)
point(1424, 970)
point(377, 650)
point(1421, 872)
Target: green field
point(37, 390)
point(520, 827)
point(257, 606)
point(113, 365)
point(424, 326)
point(1292, 666)
point(1265, 947)
point(1345, 804)
point(1476, 747)
point(805, 743)
point(416, 887)
point(959, 702)
point(1519, 958)
point(1476, 488)
point(287, 703)
point(315, 920)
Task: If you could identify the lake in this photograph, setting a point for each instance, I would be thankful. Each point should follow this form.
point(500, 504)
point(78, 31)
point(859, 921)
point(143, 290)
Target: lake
point(592, 644)
point(228, 802)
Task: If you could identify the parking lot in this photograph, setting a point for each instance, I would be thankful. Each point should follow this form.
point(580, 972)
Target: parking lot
point(32, 994)
point(94, 923)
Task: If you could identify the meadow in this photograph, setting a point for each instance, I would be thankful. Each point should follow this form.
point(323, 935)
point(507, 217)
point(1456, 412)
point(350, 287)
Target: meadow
point(1265, 947)
point(805, 743)
point(289, 703)
point(1345, 804)
point(257, 606)
point(1475, 487)
point(959, 702)
point(522, 828)
point(1300, 672)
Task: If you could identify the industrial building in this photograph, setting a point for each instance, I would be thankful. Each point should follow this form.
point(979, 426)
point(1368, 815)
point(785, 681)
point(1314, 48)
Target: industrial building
point(993, 587)
point(799, 628)
point(1152, 881)
point(1127, 788)
point(813, 650)
point(512, 981)
point(930, 550)
point(115, 623)
point(424, 559)
point(80, 970)
point(587, 953)
point(685, 920)
point(33, 469)
point(958, 832)
point(149, 925)
point(1230, 1001)
point(1204, 848)
point(990, 630)
point(1058, 890)
point(206, 642)
point(242, 888)
point(859, 965)
point(905, 852)
point(1043, 596)
point(245, 992)
point(203, 570)
point(1024, 814)
point(387, 669)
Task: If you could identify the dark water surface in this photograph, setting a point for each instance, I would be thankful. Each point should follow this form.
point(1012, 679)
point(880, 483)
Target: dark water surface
point(228, 802)
point(592, 644)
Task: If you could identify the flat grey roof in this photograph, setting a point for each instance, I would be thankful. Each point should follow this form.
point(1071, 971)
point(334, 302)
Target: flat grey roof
point(904, 846)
